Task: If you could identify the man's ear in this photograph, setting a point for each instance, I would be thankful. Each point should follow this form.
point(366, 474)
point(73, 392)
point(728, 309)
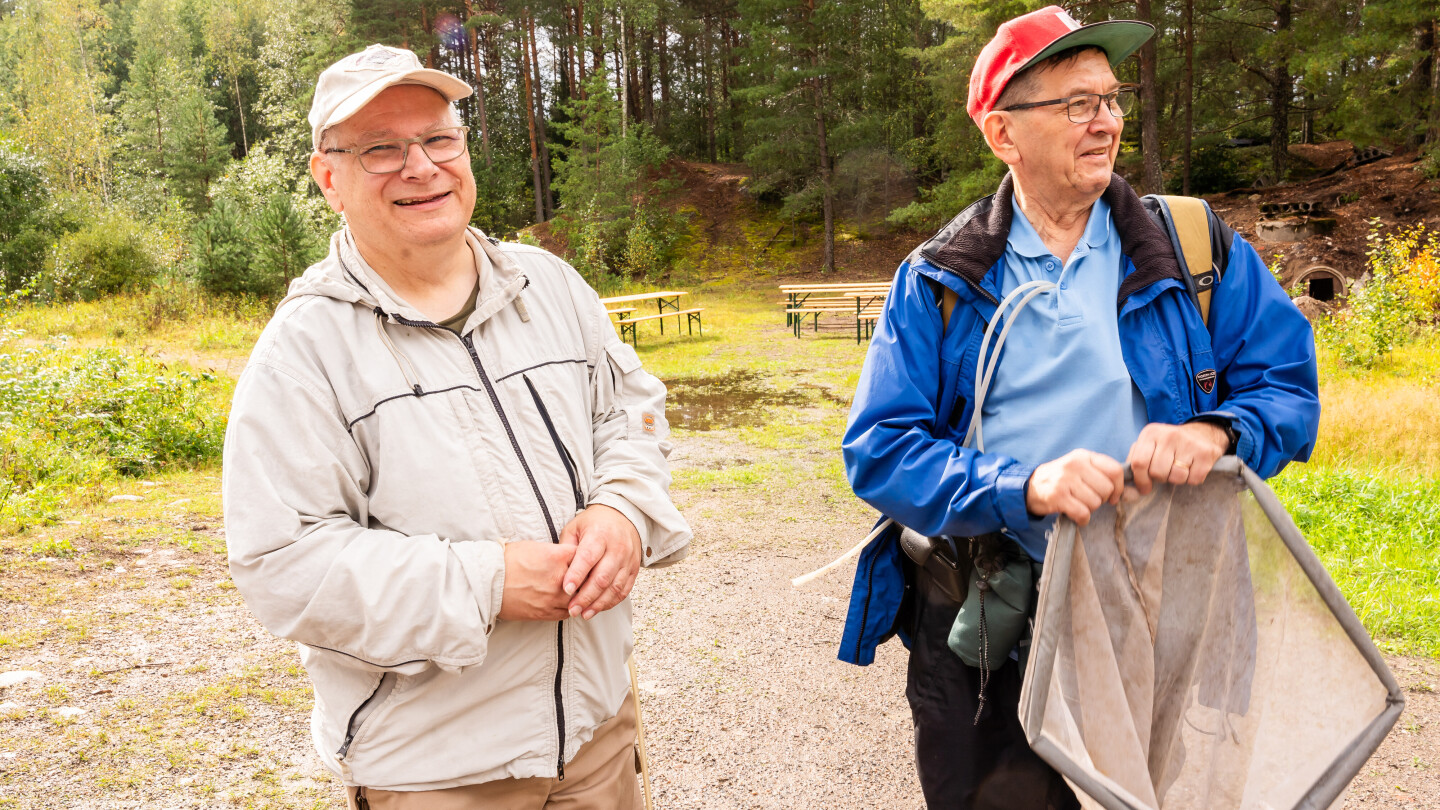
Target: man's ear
point(324, 175)
point(998, 129)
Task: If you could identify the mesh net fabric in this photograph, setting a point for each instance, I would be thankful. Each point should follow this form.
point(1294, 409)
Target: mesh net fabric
point(1191, 652)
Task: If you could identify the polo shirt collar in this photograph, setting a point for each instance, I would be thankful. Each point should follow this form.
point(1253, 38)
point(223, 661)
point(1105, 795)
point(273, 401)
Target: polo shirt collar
point(1025, 241)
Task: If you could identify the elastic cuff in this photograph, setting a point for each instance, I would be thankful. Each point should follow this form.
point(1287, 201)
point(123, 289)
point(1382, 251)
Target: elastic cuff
point(489, 560)
point(1010, 488)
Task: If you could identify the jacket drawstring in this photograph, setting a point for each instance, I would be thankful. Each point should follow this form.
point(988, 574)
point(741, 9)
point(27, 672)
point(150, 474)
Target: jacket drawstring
point(407, 369)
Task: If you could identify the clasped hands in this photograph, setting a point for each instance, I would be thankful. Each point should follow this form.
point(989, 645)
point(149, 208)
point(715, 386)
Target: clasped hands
point(590, 570)
point(1077, 483)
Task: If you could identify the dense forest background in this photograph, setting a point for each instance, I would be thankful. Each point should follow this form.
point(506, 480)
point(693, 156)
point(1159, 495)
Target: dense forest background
point(152, 142)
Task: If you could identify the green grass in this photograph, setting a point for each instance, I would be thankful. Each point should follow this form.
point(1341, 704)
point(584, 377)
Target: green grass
point(1378, 534)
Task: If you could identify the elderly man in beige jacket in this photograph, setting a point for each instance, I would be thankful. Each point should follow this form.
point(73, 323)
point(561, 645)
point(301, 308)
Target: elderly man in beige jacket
point(443, 472)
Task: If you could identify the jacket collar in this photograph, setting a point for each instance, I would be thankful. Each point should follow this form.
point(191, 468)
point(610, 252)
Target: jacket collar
point(973, 243)
point(361, 284)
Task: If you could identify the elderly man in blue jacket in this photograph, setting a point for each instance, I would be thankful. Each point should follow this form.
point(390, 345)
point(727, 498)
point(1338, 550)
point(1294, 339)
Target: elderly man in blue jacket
point(1110, 362)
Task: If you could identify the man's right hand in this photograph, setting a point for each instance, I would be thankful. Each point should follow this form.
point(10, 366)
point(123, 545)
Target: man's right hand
point(533, 573)
point(1075, 485)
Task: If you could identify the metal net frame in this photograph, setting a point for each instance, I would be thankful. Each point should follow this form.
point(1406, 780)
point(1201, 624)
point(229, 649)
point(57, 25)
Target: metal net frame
point(1190, 651)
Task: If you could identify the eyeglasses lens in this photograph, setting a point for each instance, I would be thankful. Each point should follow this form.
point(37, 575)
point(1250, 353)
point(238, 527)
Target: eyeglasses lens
point(1082, 109)
point(386, 157)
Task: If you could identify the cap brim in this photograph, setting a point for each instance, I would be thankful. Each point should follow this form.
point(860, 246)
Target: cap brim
point(443, 83)
point(1117, 38)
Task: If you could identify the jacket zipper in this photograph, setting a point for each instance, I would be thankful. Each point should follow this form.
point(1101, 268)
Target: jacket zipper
point(351, 726)
point(865, 609)
point(570, 467)
point(573, 473)
point(976, 287)
point(469, 344)
point(554, 538)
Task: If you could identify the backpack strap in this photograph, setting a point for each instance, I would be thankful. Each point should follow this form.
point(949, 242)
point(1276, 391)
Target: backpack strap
point(1200, 239)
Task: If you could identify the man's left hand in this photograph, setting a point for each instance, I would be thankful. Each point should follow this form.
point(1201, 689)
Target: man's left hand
point(607, 559)
point(1179, 454)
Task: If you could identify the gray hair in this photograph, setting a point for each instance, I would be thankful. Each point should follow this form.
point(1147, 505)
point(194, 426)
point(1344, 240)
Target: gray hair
point(1022, 86)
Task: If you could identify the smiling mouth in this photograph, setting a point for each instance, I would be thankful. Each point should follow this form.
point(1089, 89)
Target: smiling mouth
point(420, 200)
point(1096, 153)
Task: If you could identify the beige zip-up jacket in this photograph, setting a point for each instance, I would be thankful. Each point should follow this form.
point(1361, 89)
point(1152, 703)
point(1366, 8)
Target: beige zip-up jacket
point(375, 466)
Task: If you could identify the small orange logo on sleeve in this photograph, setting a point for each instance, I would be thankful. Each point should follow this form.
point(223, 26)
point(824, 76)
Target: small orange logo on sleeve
point(649, 421)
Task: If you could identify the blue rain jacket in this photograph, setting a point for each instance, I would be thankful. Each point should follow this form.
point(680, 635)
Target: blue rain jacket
point(1253, 366)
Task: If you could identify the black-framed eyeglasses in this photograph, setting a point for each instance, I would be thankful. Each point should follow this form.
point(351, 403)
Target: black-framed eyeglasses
point(1083, 107)
point(441, 145)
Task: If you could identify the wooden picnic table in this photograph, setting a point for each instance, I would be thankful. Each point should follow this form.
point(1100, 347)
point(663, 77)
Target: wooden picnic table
point(667, 302)
point(797, 294)
point(664, 299)
point(865, 306)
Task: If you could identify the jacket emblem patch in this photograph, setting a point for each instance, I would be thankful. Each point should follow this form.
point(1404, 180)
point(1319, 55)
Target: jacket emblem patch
point(649, 421)
point(1206, 380)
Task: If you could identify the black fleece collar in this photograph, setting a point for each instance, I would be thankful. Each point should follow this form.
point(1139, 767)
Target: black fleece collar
point(972, 242)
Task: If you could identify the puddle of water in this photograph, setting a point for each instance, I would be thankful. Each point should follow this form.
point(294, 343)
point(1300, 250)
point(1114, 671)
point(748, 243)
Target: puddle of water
point(739, 398)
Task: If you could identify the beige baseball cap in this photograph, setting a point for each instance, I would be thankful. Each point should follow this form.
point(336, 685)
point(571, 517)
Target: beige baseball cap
point(354, 81)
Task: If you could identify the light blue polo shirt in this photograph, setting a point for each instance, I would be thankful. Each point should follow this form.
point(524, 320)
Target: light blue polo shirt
point(1062, 383)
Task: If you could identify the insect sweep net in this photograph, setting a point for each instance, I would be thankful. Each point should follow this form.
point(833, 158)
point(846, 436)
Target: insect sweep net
point(1190, 652)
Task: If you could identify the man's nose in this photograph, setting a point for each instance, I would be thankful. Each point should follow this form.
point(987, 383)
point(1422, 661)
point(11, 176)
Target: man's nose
point(417, 163)
point(1106, 120)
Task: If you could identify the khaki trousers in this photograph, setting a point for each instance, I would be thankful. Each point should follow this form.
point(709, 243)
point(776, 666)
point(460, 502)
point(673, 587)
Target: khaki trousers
point(602, 776)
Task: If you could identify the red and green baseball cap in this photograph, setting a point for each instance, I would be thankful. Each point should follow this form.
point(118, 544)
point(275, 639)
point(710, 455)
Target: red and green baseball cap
point(1029, 38)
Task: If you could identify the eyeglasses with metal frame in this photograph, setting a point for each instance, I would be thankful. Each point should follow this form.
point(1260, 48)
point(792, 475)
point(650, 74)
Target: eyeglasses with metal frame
point(441, 145)
point(1082, 108)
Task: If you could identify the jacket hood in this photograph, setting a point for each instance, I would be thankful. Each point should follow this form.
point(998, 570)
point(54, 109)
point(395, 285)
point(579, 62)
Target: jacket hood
point(344, 275)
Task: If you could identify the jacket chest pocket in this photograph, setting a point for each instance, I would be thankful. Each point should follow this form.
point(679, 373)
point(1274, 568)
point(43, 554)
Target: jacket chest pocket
point(563, 452)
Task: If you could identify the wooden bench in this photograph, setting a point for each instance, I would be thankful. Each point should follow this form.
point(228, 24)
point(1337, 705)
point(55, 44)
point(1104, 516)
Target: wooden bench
point(692, 321)
point(865, 317)
point(621, 312)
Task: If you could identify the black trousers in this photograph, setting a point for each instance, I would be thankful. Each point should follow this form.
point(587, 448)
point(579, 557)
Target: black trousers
point(964, 765)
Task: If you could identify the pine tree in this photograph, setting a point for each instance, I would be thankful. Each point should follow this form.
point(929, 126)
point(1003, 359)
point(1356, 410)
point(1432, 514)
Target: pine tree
point(201, 150)
point(791, 103)
point(220, 249)
point(284, 247)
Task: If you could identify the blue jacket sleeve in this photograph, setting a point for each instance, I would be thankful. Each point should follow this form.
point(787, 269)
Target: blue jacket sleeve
point(893, 458)
point(1265, 352)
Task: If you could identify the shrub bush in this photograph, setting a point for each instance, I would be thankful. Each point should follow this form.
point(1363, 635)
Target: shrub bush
point(939, 204)
point(28, 220)
point(72, 418)
point(1399, 300)
point(644, 252)
point(108, 254)
point(1214, 169)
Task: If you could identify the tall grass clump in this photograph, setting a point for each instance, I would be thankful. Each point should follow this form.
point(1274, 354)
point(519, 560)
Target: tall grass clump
point(73, 419)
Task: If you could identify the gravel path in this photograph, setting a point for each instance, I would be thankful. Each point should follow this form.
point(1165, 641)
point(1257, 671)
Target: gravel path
point(745, 703)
